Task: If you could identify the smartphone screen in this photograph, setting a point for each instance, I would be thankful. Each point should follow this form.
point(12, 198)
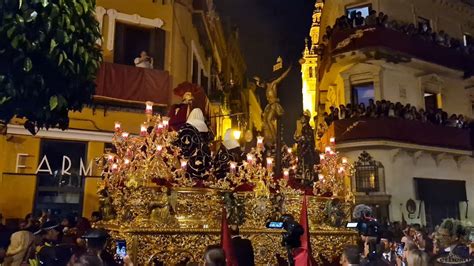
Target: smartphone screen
point(400, 249)
point(121, 250)
point(352, 225)
point(275, 225)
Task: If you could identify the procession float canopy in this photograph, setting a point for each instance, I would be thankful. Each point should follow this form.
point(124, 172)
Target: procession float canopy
point(150, 196)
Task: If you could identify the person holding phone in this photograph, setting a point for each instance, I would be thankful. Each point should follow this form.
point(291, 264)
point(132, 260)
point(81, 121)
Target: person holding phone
point(144, 61)
point(96, 241)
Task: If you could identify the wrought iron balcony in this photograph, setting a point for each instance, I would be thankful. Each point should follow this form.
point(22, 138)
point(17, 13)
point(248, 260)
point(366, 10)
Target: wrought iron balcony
point(393, 46)
point(398, 130)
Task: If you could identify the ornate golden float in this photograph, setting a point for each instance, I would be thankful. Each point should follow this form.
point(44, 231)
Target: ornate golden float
point(172, 219)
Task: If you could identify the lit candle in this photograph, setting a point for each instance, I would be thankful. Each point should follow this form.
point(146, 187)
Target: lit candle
point(320, 176)
point(126, 161)
point(344, 160)
point(269, 162)
point(159, 148)
point(149, 108)
point(233, 167)
point(249, 158)
point(341, 170)
point(286, 174)
point(328, 149)
point(322, 156)
point(260, 141)
point(110, 157)
point(166, 121)
point(372, 180)
point(114, 167)
point(184, 164)
point(332, 140)
point(117, 126)
point(143, 129)
point(290, 150)
point(125, 135)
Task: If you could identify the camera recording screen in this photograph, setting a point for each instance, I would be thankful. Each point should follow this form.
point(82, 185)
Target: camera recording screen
point(121, 250)
point(351, 225)
point(275, 225)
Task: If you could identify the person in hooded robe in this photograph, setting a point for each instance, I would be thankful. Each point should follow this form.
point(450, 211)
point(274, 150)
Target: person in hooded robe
point(179, 113)
point(229, 151)
point(194, 138)
point(20, 249)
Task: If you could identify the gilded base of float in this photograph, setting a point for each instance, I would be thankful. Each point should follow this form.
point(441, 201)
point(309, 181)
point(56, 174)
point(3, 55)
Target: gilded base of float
point(181, 230)
point(174, 245)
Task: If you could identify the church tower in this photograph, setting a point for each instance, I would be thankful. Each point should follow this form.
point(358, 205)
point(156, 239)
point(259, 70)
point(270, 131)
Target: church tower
point(309, 62)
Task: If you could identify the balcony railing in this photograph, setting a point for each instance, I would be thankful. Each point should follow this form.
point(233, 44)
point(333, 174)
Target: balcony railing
point(399, 130)
point(124, 84)
point(373, 37)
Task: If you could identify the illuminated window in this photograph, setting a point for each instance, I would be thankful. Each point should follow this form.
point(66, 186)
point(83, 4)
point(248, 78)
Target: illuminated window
point(130, 41)
point(60, 179)
point(467, 39)
point(369, 174)
point(362, 93)
point(365, 9)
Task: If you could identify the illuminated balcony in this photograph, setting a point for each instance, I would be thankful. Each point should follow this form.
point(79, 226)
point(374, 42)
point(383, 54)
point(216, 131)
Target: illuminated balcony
point(393, 46)
point(131, 86)
point(392, 131)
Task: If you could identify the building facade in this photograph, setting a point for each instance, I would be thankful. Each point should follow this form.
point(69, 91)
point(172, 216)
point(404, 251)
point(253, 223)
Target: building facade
point(56, 170)
point(419, 54)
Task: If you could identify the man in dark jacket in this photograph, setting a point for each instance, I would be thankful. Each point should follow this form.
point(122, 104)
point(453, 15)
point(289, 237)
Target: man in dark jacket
point(53, 252)
point(243, 248)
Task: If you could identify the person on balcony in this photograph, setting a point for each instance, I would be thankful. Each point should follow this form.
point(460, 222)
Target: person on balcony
point(358, 20)
point(371, 19)
point(144, 61)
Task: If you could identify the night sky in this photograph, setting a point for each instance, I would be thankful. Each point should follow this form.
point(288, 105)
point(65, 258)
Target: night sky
point(267, 29)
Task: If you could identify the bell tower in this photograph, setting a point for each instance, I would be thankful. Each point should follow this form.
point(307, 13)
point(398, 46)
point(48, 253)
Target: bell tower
point(309, 62)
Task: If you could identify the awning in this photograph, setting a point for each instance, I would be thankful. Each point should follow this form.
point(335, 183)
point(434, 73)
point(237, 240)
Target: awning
point(440, 190)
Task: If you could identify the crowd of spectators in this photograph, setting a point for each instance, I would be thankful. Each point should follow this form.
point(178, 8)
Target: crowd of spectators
point(413, 245)
point(388, 109)
point(47, 239)
point(422, 31)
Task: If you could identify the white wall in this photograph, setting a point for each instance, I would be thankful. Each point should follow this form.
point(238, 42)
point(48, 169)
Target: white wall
point(399, 174)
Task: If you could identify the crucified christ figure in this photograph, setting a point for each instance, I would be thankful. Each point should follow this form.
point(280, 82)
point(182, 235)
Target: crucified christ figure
point(273, 110)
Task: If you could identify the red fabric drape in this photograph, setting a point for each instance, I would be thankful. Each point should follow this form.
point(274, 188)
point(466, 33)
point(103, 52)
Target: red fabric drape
point(304, 255)
point(135, 84)
point(226, 241)
point(200, 98)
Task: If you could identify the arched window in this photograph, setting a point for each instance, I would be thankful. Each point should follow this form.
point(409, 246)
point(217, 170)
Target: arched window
point(369, 174)
point(310, 72)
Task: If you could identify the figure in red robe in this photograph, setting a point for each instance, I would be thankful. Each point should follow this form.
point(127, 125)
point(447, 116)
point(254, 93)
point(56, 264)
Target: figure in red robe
point(179, 113)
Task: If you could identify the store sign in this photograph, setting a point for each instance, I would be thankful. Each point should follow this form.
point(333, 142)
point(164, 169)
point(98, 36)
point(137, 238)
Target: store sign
point(85, 169)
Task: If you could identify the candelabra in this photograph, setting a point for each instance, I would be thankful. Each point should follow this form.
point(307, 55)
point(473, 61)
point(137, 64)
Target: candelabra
point(334, 172)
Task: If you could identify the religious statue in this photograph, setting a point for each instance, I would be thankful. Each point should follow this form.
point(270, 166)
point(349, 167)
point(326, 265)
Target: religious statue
point(273, 110)
point(304, 137)
point(106, 209)
point(194, 138)
point(179, 113)
point(161, 205)
point(228, 151)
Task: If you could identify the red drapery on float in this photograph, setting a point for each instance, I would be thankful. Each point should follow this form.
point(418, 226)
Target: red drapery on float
point(200, 99)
